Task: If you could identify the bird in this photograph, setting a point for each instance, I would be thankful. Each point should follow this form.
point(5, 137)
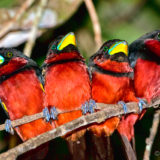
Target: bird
point(112, 83)
point(111, 80)
point(66, 83)
point(21, 92)
point(144, 57)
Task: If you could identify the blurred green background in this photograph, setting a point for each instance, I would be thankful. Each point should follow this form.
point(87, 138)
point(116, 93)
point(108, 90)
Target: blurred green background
point(123, 19)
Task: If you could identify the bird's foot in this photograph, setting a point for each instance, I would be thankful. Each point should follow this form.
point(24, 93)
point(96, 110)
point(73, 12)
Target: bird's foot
point(53, 113)
point(89, 107)
point(92, 106)
point(140, 104)
point(84, 108)
point(8, 127)
point(123, 105)
point(46, 114)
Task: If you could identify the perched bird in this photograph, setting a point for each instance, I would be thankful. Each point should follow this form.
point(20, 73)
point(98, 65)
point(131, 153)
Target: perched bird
point(111, 80)
point(144, 56)
point(111, 83)
point(21, 92)
point(67, 84)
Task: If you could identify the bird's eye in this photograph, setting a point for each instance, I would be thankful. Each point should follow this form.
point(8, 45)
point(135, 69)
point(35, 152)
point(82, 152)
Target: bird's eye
point(158, 36)
point(105, 49)
point(9, 54)
point(53, 47)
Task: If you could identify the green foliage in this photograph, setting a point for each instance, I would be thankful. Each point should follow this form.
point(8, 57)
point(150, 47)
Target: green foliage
point(128, 19)
point(7, 3)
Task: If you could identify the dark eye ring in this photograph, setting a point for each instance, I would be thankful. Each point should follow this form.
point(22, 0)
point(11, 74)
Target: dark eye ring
point(9, 54)
point(105, 49)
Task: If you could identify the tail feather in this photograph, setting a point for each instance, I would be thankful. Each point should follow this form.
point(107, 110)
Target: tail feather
point(100, 146)
point(77, 148)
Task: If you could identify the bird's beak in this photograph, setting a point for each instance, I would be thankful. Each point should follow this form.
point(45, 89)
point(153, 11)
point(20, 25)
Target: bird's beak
point(121, 46)
point(67, 40)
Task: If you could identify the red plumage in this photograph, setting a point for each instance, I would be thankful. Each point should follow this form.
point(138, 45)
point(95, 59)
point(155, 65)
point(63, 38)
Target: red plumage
point(70, 89)
point(22, 94)
point(112, 83)
point(67, 83)
point(147, 79)
point(144, 55)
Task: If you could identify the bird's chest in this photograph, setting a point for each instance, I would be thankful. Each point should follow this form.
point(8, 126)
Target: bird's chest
point(147, 79)
point(109, 89)
point(22, 94)
point(67, 86)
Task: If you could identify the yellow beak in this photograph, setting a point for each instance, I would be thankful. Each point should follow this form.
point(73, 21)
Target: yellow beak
point(121, 46)
point(67, 40)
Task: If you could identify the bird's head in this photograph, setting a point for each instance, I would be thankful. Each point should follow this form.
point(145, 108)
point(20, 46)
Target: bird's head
point(112, 56)
point(63, 48)
point(146, 47)
point(12, 60)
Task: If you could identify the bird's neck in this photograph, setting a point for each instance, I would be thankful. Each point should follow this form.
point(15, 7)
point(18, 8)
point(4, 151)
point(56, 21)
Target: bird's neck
point(110, 72)
point(10, 74)
point(63, 57)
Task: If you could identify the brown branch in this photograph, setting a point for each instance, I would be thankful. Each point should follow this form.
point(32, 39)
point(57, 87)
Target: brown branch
point(33, 33)
point(95, 22)
point(27, 119)
point(6, 27)
point(97, 117)
point(24, 120)
point(30, 118)
point(150, 139)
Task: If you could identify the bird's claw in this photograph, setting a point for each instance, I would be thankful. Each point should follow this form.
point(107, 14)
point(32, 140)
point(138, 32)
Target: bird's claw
point(46, 114)
point(141, 103)
point(92, 106)
point(123, 105)
point(8, 127)
point(53, 113)
point(89, 107)
point(84, 108)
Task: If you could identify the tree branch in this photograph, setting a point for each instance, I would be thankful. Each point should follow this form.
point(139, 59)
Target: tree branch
point(98, 117)
point(33, 33)
point(17, 16)
point(95, 22)
point(150, 139)
point(30, 118)
point(23, 120)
